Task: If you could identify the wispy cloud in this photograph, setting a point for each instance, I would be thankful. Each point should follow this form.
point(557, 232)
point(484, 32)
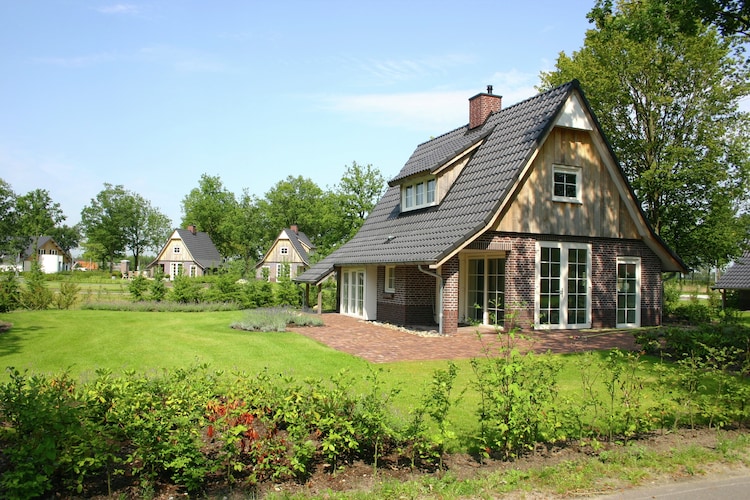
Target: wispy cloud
point(183, 59)
point(76, 61)
point(119, 9)
point(391, 71)
point(435, 111)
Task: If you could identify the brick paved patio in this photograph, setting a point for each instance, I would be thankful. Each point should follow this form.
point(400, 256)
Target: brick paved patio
point(383, 343)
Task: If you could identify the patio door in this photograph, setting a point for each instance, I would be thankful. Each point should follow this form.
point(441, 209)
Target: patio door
point(175, 268)
point(353, 292)
point(486, 291)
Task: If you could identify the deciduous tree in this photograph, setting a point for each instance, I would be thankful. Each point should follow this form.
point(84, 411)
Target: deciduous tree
point(668, 102)
point(210, 207)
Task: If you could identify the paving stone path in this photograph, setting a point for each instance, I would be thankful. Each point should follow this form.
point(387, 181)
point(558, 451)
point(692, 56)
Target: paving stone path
point(380, 343)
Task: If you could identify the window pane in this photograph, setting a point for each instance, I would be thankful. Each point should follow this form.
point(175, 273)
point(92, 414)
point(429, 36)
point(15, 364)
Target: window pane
point(431, 191)
point(420, 194)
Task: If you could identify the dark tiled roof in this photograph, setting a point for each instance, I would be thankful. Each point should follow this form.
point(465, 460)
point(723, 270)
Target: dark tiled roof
point(201, 247)
point(425, 236)
point(508, 138)
point(737, 277)
point(299, 240)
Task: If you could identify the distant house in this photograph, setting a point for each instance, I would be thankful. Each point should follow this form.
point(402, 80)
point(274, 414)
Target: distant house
point(737, 279)
point(188, 252)
point(291, 249)
point(52, 258)
point(85, 265)
point(523, 215)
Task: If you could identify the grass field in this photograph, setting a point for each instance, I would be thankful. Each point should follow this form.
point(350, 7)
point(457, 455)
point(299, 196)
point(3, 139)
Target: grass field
point(83, 341)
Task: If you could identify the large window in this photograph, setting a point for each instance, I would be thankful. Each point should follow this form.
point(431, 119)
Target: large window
point(566, 183)
point(418, 194)
point(628, 291)
point(563, 298)
point(353, 293)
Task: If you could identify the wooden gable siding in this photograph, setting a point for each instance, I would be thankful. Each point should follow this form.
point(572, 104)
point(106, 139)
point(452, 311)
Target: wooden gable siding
point(275, 255)
point(602, 212)
point(168, 253)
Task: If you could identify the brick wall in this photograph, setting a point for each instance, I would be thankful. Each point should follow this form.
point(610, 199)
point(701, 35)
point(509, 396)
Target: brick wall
point(414, 299)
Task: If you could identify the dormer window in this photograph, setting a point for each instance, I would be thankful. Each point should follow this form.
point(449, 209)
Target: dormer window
point(418, 194)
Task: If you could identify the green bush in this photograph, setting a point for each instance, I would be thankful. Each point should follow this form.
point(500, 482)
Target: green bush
point(185, 290)
point(10, 292)
point(35, 294)
point(67, 295)
point(138, 287)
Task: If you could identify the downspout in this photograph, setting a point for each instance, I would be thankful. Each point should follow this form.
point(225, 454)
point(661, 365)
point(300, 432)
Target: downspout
point(440, 305)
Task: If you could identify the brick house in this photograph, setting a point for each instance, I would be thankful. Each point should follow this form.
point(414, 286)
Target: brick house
point(522, 214)
point(290, 252)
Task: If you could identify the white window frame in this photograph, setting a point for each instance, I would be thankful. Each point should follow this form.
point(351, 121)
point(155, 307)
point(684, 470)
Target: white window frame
point(568, 170)
point(563, 306)
point(176, 249)
point(417, 194)
point(390, 279)
point(637, 262)
point(284, 250)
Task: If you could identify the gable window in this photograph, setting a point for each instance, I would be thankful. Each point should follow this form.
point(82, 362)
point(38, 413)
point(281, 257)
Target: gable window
point(566, 183)
point(563, 283)
point(390, 279)
point(284, 250)
point(176, 249)
point(418, 194)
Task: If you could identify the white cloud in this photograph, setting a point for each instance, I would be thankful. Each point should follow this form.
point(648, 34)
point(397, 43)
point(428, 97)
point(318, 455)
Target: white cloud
point(435, 111)
point(118, 9)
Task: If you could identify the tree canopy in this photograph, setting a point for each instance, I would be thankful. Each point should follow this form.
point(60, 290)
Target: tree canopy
point(668, 103)
point(118, 220)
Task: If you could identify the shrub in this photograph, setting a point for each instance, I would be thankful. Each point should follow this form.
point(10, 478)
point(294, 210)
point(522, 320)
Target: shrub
point(67, 296)
point(185, 290)
point(10, 293)
point(138, 287)
point(158, 288)
point(275, 320)
point(35, 295)
point(693, 313)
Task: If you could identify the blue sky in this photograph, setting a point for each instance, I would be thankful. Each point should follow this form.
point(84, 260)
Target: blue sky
point(153, 94)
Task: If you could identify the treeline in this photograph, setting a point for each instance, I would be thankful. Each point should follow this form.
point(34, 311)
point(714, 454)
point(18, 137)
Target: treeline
point(119, 223)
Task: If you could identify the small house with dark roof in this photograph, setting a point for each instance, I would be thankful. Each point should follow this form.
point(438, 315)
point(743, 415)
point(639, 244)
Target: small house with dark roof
point(51, 257)
point(737, 280)
point(523, 215)
point(290, 252)
point(187, 251)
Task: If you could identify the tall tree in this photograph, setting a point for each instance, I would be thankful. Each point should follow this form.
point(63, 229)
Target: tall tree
point(8, 218)
point(294, 200)
point(208, 207)
point(360, 188)
point(144, 226)
point(249, 230)
point(118, 220)
point(668, 102)
point(37, 216)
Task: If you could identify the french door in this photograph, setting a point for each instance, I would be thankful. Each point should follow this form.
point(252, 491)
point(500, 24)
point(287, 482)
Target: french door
point(486, 291)
point(353, 292)
point(563, 298)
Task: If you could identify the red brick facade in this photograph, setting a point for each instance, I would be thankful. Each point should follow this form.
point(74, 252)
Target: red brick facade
point(414, 299)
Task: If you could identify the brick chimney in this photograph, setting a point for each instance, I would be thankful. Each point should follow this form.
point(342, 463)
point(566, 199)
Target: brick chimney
point(482, 105)
point(294, 228)
point(191, 228)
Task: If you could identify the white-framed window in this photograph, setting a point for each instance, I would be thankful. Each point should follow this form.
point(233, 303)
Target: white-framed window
point(53, 251)
point(628, 292)
point(566, 183)
point(284, 250)
point(176, 249)
point(390, 279)
point(193, 271)
point(485, 290)
point(563, 285)
point(41, 251)
point(418, 194)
